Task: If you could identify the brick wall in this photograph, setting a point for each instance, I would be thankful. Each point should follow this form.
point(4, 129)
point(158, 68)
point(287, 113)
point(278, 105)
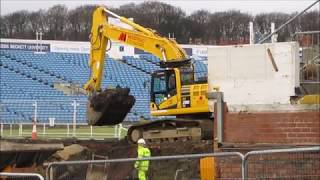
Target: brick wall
point(272, 127)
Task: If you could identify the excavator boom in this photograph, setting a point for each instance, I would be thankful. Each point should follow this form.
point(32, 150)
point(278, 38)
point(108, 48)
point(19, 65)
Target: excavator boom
point(110, 106)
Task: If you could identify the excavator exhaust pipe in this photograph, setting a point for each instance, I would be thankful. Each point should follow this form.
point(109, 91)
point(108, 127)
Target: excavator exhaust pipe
point(109, 107)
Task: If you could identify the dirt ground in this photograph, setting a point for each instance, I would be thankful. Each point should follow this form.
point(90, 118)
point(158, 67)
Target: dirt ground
point(120, 149)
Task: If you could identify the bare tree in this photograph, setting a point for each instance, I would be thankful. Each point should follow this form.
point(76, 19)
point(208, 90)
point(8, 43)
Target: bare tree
point(225, 27)
point(198, 25)
point(37, 22)
point(79, 23)
point(3, 27)
point(310, 21)
point(17, 24)
point(56, 18)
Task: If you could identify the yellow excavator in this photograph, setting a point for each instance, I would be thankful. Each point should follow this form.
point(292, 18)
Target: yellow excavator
point(174, 91)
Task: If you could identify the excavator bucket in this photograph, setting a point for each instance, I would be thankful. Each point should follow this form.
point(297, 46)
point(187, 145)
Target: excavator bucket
point(109, 107)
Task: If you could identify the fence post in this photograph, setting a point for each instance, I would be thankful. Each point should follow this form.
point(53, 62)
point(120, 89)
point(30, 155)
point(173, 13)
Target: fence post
point(51, 174)
point(35, 104)
point(115, 131)
point(10, 129)
point(177, 173)
point(91, 131)
point(1, 133)
point(44, 129)
point(20, 129)
point(74, 104)
point(244, 170)
point(68, 130)
point(251, 32)
point(119, 131)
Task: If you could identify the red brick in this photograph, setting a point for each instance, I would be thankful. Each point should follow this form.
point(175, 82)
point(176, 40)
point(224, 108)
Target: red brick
point(301, 129)
point(289, 135)
point(271, 127)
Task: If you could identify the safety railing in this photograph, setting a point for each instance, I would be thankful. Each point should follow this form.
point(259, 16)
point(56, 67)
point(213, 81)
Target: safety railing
point(51, 111)
point(61, 130)
point(51, 119)
point(190, 166)
point(21, 176)
point(294, 163)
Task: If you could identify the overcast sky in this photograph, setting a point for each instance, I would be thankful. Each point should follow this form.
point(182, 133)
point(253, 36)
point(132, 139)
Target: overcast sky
point(249, 6)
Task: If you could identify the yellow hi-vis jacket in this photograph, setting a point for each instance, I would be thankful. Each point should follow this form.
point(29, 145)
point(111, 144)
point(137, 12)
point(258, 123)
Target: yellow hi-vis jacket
point(143, 152)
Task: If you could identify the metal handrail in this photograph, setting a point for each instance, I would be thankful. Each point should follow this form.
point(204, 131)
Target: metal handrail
point(22, 175)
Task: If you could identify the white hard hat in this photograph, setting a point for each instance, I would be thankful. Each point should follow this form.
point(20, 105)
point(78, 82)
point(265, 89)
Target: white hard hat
point(141, 141)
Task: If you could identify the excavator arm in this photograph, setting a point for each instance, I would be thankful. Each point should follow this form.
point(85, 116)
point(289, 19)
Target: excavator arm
point(110, 106)
point(167, 50)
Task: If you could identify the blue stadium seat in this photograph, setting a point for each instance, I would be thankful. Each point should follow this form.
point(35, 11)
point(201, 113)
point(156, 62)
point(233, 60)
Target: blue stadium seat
point(27, 76)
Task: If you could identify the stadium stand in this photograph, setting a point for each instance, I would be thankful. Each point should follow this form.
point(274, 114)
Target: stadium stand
point(30, 77)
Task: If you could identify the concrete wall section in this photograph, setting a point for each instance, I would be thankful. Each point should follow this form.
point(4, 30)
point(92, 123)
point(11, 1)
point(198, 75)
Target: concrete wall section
point(246, 75)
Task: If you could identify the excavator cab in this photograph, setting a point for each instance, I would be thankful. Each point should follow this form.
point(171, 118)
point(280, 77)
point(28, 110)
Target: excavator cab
point(165, 87)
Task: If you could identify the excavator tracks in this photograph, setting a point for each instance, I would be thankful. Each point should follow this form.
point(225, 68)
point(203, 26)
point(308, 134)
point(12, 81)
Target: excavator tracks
point(171, 130)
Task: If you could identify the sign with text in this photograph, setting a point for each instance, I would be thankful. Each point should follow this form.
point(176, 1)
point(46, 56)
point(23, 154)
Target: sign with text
point(25, 46)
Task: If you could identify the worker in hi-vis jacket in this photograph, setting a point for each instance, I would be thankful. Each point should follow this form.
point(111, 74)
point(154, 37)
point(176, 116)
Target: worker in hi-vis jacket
point(142, 166)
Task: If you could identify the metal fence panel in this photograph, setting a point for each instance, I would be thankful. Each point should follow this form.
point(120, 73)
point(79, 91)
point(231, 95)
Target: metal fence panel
point(180, 167)
point(58, 131)
point(21, 176)
point(54, 119)
point(296, 163)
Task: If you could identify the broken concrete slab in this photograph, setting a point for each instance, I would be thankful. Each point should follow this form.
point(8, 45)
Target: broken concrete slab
point(26, 153)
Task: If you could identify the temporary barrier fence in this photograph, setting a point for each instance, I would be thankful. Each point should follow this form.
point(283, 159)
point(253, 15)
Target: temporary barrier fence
point(21, 176)
point(293, 163)
point(189, 166)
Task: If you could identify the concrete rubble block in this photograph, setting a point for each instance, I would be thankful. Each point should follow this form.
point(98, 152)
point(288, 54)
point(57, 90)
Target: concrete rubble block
point(72, 152)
